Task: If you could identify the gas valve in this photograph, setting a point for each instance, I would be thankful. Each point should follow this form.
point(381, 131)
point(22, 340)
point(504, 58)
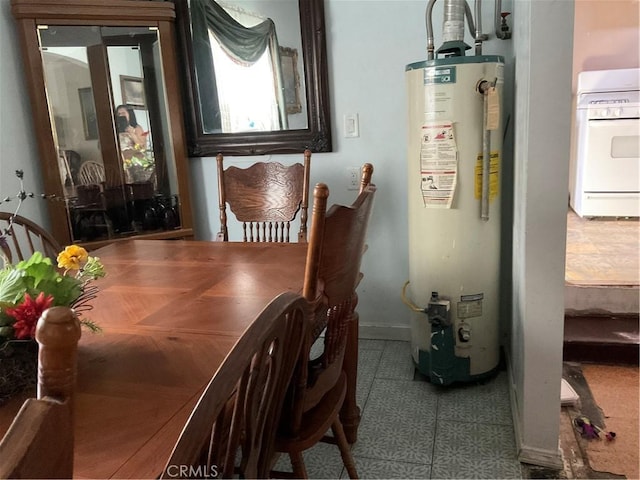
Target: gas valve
point(438, 311)
point(464, 333)
point(505, 33)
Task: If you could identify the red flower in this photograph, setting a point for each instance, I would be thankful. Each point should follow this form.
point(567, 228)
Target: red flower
point(28, 313)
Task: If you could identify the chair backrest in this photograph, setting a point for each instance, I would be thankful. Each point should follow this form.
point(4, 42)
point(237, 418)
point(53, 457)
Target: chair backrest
point(91, 173)
point(240, 408)
point(332, 274)
point(265, 197)
point(20, 237)
point(39, 442)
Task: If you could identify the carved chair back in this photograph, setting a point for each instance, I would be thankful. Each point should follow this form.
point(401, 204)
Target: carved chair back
point(21, 237)
point(39, 442)
point(336, 246)
point(266, 198)
point(239, 411)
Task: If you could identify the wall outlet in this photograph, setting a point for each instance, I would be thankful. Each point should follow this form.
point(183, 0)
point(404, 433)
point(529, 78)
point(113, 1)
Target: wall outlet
point(353, 178)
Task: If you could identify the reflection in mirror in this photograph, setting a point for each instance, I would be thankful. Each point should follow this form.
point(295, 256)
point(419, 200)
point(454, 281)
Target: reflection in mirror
point(106, 100)
point(256, 76)
point(239, 48)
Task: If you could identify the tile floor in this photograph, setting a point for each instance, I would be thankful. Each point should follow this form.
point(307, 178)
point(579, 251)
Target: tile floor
point(413, 429)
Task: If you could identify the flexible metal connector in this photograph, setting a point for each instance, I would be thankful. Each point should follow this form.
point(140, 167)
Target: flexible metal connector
point(478, 30)
point(469, 15)
point(429, 22)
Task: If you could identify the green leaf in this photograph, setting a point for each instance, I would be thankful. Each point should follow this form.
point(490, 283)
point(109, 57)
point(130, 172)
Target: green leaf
point(12, 285)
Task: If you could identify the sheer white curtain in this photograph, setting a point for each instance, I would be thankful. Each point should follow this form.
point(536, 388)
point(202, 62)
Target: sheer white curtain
point(246, 92)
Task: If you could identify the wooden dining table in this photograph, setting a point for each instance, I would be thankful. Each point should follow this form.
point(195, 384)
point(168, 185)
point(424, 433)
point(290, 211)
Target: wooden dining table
point(170, 311)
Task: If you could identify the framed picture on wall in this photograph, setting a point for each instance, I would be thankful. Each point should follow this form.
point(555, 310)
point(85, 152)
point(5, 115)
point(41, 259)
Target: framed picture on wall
point(291, 79)
point(132, 91)
point(88, 109)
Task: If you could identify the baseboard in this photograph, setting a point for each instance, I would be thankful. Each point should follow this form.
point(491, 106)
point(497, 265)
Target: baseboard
point(542, 458)
point(526, 454)
point(376, 332)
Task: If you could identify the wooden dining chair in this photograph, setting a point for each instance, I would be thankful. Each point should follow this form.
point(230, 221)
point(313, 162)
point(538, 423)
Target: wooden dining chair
point(91, 173)
point(332, 274)
point(39, 442)
point(232, 429)
point(266, 198)
point(21, 237)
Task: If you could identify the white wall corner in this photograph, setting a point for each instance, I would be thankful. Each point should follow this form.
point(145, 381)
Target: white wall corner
point(527, 454)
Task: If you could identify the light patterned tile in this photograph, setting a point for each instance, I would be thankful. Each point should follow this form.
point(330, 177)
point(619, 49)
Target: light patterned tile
point(398, 436)
point(475, 468)
point(482, 403)
point(322, 461)
point(396, 361)
point(407, 442)
point(403, 400)
point(367, 365)
point(371, 344)
point(398, 422)
point(384, 469)
point(474, 440)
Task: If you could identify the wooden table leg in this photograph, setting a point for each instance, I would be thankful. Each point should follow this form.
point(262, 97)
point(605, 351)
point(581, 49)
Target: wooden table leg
point(350, 413)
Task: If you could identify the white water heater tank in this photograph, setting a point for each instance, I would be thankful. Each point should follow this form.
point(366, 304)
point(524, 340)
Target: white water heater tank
point(453, 250)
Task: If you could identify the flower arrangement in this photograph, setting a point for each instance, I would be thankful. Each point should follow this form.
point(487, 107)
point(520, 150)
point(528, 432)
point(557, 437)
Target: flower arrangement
point(26, 290)
point(33, 285)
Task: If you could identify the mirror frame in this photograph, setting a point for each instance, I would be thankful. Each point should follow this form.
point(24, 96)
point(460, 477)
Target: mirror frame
point(28, 14)
point(316, 137)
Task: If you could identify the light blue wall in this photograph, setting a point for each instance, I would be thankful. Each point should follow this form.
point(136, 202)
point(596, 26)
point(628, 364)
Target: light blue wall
point(18, 148)
point(369, 44)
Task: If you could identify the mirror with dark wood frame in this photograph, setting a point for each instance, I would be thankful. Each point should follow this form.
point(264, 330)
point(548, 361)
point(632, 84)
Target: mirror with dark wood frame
point(290, 132)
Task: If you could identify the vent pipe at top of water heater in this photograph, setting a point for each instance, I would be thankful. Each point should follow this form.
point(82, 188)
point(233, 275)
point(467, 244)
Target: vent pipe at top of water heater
point(455, 12)
point(453, 25)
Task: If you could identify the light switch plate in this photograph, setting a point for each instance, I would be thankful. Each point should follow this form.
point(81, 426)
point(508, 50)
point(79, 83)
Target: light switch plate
point(351, 125)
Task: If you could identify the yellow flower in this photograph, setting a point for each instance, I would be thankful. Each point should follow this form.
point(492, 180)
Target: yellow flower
point(72, 257)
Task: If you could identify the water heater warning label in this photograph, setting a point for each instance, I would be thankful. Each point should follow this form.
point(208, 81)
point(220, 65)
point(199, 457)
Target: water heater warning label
point(494, 176)
point(438, 164)
point(470, 309)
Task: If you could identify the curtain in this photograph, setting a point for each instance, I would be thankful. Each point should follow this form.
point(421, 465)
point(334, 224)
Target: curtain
point(244, 44)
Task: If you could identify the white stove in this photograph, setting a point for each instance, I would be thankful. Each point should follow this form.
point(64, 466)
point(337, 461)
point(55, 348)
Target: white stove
point(605, 170)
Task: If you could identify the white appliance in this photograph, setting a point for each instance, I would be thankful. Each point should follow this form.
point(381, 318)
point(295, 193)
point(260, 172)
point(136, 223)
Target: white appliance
point(605, 168)
point(454, 237)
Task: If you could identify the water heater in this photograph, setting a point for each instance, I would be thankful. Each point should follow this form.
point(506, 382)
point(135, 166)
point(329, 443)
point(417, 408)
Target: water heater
point(454, 159)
